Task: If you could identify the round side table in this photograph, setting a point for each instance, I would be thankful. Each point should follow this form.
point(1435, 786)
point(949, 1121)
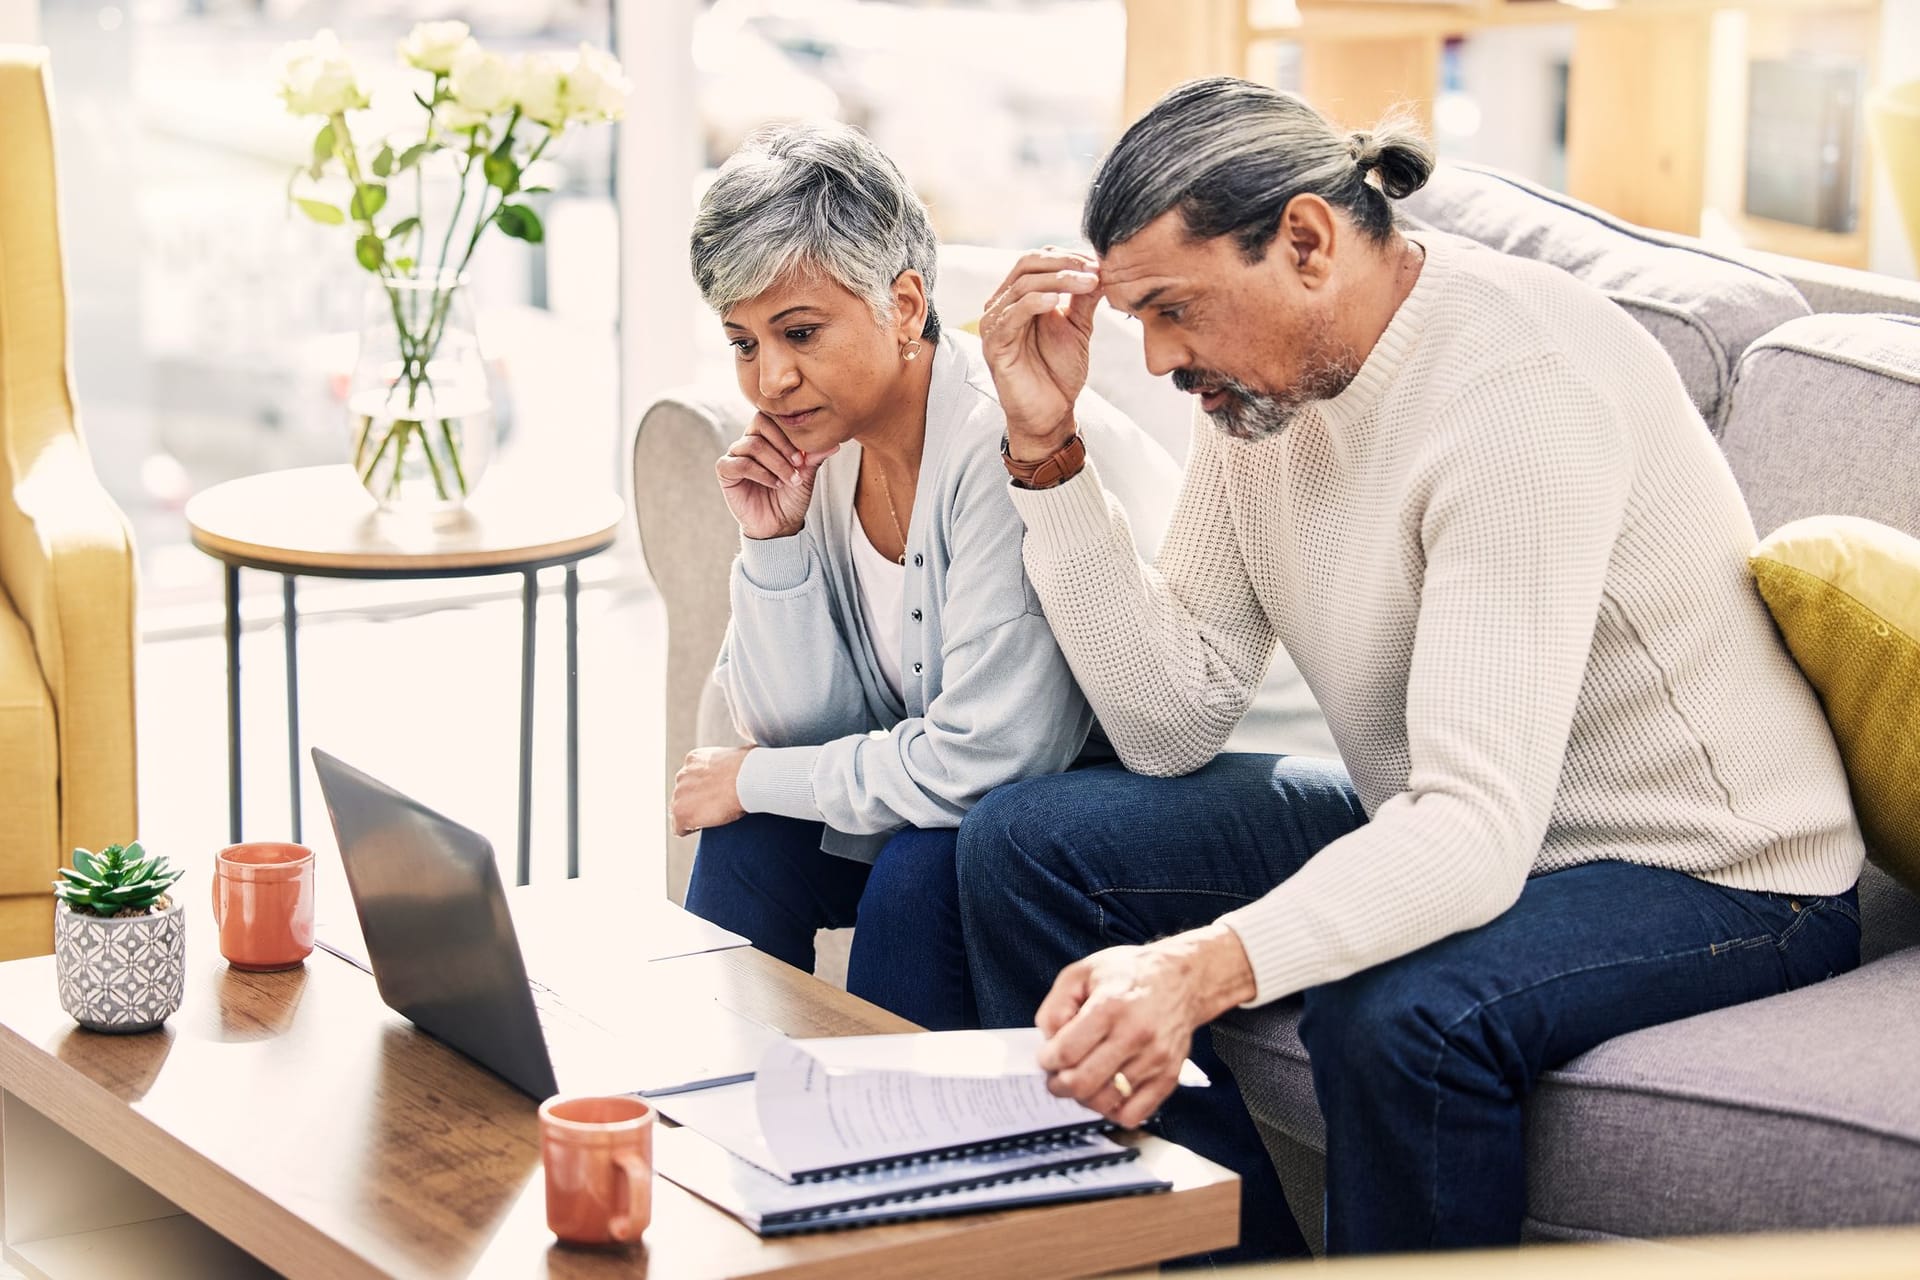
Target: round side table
point(319, 522)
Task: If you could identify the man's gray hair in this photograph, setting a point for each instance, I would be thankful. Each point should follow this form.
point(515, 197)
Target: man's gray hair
point(811, 197)
point(1230, 154)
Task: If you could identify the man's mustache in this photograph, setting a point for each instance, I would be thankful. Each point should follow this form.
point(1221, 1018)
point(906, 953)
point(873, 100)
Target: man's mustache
point(1191, 380)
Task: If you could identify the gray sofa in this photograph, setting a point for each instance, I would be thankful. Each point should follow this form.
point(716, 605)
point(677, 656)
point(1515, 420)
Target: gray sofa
point(1801, 1111)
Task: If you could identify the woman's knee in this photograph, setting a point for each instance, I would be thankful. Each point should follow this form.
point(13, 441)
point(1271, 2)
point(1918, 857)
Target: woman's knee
point(914, 875)
point(751, 847)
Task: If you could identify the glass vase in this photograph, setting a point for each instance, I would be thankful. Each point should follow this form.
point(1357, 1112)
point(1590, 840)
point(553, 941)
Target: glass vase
point(420, 417)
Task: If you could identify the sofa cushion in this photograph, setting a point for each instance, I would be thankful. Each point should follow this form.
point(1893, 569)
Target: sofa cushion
point(1263, 1050)
point(1824, 419)
point(1702, 306)
point(1797, 1111)
point(1846, 595)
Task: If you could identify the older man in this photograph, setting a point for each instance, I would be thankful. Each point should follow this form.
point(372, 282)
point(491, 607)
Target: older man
point(1582, 788)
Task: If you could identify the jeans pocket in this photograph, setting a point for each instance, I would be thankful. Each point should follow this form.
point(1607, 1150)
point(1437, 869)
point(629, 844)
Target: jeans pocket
point(1811, 907)
point(1847, 904)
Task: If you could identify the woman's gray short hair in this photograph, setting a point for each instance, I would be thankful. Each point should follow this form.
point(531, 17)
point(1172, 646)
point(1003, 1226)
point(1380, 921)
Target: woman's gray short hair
point(815, 197)
point(1230, 155)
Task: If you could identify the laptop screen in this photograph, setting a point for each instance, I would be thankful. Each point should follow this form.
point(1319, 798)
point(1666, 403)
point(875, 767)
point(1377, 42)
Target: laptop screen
point(434, 914)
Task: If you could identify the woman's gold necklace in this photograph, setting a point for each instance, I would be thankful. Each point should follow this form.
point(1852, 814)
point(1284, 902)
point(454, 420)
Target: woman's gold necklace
point(886, 491)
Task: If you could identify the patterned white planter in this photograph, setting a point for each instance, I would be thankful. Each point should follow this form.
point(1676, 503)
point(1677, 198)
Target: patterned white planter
point(122, 974)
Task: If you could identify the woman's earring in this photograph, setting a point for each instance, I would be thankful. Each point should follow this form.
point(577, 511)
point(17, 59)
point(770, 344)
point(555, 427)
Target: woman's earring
point(912, 351)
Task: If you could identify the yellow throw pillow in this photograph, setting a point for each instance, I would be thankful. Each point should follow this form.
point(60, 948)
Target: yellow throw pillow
point(1846, 595)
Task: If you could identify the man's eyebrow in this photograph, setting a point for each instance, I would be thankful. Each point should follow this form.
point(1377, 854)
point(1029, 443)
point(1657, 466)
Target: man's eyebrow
point(1143, 303)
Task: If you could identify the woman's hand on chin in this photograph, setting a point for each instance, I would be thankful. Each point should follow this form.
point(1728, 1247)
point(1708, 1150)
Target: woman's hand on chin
point(706, 791)
point(768, 482)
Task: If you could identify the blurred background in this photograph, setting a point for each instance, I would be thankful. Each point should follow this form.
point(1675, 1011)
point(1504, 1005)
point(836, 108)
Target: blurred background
point(213, 333)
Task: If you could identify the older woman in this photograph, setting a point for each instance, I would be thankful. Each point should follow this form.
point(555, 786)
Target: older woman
point(887, 654)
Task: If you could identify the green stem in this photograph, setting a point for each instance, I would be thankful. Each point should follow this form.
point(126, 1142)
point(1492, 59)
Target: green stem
point(419, 169)
point(453, 455)
point(350, 159)
point(403, 429)
point(343, 142)
point(360, 438)
point(366, 473)
point(436, 324)
point(433, 463)
point(459, 207)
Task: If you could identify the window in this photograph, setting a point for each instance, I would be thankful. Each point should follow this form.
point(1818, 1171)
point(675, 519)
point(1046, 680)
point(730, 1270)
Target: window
point(213, 333)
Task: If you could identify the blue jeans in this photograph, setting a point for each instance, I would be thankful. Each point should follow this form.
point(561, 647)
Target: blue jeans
point(1421, 1065)
point(766, 878)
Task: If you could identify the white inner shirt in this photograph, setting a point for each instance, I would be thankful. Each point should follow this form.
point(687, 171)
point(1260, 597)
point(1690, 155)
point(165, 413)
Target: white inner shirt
point(883, 585)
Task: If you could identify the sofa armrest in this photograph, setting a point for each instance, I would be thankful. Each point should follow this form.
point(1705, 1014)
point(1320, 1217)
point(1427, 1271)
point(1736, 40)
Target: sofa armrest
point(66, 557)
point(688, 540)
point(67, 564)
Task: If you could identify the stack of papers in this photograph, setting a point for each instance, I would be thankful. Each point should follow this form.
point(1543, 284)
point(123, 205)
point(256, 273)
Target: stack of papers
point(870, 1129)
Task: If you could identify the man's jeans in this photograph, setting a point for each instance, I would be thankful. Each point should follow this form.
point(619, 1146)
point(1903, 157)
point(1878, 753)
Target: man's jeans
point(1420, 1065)
point(765, 877)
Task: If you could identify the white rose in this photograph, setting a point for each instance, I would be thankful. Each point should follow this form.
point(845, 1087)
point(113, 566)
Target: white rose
point(452, 115)
point(432, 46)
point(541, 91)
point(316, 79)
point(597, 88)
point(482, 84)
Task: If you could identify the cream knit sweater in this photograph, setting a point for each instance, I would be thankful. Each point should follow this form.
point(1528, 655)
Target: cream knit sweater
point(1510, 562)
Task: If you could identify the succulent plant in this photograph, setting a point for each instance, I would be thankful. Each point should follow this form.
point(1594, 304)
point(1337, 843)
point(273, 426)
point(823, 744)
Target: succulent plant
point(118, 880)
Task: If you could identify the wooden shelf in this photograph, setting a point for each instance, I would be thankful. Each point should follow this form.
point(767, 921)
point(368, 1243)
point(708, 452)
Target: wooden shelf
point(1391, 19)
point(173, 1248)
point(1656, 101)
point(1839, 248)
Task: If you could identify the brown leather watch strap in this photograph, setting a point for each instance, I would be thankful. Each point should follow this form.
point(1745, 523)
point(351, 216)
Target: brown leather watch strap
point(1058, 467)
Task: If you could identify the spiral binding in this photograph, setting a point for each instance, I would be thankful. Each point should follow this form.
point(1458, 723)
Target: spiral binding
point(1024, 1140)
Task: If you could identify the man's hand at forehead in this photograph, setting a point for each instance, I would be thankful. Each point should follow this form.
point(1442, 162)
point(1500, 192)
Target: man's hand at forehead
point(1036, 335)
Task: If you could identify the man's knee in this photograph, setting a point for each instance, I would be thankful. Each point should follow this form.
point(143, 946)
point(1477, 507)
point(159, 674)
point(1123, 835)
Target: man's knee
point(1373, 1020)
point(1006, 824)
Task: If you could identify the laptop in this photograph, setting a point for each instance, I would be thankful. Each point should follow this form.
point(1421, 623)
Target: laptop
point(441, 944)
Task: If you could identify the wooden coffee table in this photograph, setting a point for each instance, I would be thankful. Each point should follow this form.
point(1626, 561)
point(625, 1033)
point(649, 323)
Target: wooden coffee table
point(293, 1119)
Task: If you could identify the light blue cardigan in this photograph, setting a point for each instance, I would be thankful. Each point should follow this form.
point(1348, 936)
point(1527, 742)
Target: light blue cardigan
point(989, 697)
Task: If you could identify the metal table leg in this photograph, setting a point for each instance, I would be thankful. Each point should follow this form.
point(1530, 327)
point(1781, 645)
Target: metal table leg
point(573, 721)
point(290, 618)
point(529, 601)
point(233, 702)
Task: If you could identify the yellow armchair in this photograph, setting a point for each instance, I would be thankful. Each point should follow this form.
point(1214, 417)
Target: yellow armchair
point(67, 572)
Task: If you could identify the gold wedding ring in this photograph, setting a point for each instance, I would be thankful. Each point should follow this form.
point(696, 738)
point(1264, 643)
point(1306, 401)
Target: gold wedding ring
point(1122, 1085)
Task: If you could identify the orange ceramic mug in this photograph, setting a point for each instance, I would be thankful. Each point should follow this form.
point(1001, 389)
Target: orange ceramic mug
point(263, 904)
point(599, 1158)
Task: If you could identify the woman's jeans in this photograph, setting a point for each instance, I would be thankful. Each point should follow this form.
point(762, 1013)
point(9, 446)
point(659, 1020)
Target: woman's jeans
point(765, 877)
point(1421, 1065)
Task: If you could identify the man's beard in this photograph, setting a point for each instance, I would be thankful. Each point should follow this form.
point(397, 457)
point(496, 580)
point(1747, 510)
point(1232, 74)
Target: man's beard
point(1247, 414)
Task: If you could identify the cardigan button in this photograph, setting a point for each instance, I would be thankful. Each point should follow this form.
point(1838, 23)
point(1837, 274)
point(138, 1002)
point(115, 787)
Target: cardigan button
point(915, 615)
point(916, 668)
point(918, 559)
